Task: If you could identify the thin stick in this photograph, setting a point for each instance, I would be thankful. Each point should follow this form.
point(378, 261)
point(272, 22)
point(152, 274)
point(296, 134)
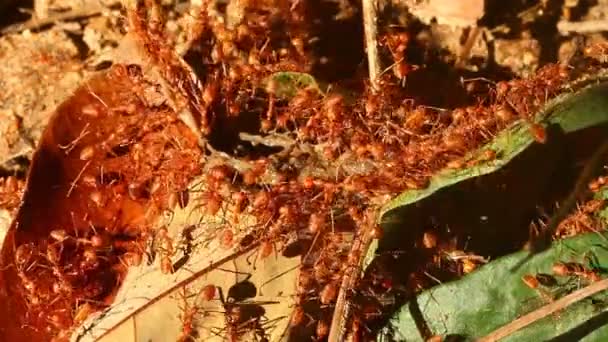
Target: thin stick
point(545, 311)
point(465, 50)
point(41, 9)
point(587, 26)
point(370, 24)
point(343, 307)
point(38, 23)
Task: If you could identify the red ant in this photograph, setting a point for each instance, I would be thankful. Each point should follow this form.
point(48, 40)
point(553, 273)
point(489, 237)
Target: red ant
point(163, 244)
point(188, 319)
point(576, 269)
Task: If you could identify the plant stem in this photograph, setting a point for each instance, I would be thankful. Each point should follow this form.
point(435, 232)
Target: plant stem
point(370, 24)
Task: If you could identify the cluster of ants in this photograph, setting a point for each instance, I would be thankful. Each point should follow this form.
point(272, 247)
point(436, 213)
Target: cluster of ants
point(69, 268)
point(240, 318)
point(11, 190)
point(337, 159)
point(305, 216)
point(121, 163)
point(561, 269)
point(385, 143)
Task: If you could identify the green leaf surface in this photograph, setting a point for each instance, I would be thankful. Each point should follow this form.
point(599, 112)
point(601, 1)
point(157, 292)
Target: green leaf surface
point(572, 112)
point(495, 295)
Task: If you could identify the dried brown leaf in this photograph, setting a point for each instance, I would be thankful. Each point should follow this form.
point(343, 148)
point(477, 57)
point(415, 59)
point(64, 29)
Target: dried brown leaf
point(104, 140)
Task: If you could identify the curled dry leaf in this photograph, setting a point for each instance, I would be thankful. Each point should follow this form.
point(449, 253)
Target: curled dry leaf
point(252, 295)
point(90, 179)
point(203, 260)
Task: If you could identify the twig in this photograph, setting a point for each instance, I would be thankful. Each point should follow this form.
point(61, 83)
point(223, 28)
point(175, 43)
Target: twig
point(35, 23)
point(370, 23)
point(465, 50)
point(271, 140)
point(41, 9)
point(587, 26)
point(545, 311)
point(343, 307)
point(179, 83)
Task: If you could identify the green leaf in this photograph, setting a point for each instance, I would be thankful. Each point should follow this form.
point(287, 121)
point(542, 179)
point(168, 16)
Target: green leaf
point(570, 112)
point(495, 295)
point(288, 83)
